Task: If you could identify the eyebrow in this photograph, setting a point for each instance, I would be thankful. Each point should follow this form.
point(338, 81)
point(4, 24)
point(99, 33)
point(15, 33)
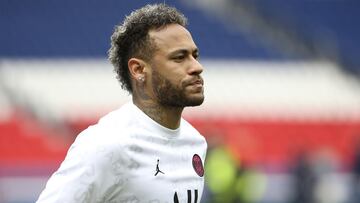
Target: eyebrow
point(184, 51)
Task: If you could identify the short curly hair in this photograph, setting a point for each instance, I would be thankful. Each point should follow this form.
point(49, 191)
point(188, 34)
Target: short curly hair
point(131, 39)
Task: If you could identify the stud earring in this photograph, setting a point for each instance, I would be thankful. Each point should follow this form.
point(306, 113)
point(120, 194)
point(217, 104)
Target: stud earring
point(141, 78)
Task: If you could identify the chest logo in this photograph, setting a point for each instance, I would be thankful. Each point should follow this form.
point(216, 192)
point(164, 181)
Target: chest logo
point(158, 169)
point(198, 165)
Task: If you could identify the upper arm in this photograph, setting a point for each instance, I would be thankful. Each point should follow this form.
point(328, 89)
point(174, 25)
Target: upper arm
point(90, 170)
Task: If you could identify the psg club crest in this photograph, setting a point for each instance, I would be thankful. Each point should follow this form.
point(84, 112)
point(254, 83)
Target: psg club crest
point(197, 164)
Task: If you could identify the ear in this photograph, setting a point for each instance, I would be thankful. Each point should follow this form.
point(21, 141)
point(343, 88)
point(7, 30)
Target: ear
point(137, 69)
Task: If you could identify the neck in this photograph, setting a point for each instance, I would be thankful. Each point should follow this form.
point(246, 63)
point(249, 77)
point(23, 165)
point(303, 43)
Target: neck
point(166, 116)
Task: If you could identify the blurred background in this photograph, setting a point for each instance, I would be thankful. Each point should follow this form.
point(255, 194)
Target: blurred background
point(282, 84)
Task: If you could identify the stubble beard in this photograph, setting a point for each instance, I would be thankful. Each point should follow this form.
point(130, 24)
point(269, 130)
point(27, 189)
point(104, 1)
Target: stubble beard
point(170, 95)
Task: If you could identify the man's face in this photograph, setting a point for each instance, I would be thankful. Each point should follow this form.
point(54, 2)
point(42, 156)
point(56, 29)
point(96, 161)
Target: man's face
point(175, 70)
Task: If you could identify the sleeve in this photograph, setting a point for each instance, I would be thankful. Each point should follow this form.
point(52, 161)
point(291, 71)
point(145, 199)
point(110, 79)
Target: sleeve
point(92, 171)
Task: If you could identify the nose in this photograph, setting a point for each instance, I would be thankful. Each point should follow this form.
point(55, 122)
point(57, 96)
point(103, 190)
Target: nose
point(195, 67)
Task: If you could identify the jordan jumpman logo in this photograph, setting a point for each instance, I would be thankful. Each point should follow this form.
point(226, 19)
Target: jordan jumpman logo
point(158, 169)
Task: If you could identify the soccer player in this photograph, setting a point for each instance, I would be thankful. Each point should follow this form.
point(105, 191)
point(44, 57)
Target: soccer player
point(144, 151)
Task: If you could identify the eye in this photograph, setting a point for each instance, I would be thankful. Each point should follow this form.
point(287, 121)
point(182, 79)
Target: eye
point(179, 58)
point(196, 56)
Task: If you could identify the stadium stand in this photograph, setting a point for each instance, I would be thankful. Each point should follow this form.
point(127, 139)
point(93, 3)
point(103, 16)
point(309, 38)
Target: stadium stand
point(70, 29)
point(326, 24)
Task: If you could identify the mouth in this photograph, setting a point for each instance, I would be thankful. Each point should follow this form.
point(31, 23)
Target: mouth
point(196, 85)
point(197, 82)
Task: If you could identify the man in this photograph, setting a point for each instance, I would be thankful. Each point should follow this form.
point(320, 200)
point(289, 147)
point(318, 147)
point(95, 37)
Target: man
point(144, 151)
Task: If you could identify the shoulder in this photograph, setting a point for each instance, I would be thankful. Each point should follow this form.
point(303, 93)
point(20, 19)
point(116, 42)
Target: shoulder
point(88, 173)
point(104, 141)
point(193, 134)
point(96, 162)
point(120, 117)
point(109, 130)
point(94, 151)
point(189, 128)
